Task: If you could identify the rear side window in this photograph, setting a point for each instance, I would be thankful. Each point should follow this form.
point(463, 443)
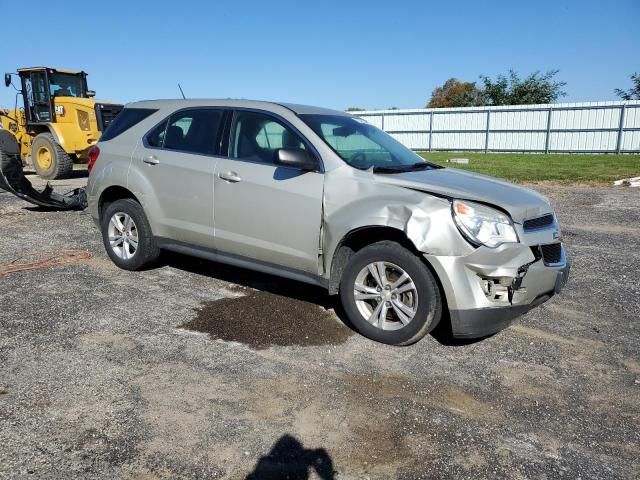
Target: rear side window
point(194, 131)
point(123, 121)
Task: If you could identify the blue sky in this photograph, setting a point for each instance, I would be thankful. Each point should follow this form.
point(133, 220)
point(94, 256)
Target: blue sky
point(336, 54)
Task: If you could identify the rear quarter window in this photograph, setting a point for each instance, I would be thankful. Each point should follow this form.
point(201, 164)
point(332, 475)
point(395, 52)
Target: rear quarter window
point(126, 119)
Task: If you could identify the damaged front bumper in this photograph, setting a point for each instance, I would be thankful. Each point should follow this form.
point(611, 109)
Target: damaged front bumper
point(490, 287)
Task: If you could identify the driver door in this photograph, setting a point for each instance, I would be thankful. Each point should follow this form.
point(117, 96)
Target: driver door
point(264, 211)
point(37, 97)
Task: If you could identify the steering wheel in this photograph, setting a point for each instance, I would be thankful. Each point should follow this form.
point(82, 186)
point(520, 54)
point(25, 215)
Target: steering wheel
point(358, 160)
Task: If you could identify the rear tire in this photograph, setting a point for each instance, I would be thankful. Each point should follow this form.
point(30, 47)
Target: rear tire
point(127, 235)
point(398, 303)
point(49, 159)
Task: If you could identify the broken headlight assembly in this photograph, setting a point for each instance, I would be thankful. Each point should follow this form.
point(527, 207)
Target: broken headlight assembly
point(483, 225)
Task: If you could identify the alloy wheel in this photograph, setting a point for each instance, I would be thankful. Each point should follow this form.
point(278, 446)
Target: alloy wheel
point(123, 235)
point(385, 295)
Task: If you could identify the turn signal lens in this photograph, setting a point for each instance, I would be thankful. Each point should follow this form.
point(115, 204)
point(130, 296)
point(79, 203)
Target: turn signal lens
point(94, 152)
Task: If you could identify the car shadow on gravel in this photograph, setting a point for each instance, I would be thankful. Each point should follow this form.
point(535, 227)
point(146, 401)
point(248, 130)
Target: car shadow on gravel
point(272, 310)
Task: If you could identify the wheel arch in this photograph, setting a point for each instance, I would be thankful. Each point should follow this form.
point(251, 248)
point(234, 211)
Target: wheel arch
point(359, 238)
point(111, 194)
point(55, 132)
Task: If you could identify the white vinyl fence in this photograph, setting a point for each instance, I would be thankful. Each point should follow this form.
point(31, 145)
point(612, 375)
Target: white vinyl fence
point(591, 127)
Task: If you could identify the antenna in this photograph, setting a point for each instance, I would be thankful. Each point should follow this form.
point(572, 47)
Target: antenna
point(181, 92)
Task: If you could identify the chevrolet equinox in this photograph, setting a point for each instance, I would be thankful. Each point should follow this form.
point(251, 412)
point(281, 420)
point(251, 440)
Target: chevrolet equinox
point(323, 197)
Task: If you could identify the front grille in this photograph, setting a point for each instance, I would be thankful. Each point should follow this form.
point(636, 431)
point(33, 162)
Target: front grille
point(105, 113)
point(551, 253)
point(538, 222)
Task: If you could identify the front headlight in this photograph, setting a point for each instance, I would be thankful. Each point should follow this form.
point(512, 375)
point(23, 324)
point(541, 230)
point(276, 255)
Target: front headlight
point(483, 225)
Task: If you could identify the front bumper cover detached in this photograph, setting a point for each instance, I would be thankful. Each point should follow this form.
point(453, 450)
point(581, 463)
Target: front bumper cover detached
point(517, 281)
point(12, 180)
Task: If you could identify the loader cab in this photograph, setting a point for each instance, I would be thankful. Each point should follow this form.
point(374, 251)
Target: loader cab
point(42, 85)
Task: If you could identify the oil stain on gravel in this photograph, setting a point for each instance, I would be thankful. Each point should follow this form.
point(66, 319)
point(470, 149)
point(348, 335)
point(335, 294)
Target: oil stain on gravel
point(262, 319)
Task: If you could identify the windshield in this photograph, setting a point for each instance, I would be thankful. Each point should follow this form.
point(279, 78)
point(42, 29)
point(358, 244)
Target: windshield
point(65, 85)
point(364, 146)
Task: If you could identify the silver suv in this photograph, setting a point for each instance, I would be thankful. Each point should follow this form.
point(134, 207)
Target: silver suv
point(323, 197)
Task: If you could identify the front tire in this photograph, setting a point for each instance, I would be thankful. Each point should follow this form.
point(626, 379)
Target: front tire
point(49, 159)
point(127, 235)
point(390, 295)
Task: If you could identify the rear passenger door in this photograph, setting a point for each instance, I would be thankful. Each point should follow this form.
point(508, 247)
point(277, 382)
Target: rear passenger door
point(266, 211)
point(178, 159)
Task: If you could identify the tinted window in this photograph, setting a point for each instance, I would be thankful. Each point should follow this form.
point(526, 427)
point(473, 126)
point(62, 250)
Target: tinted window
point(257, 137)
point(194, 131)
point(124, 120)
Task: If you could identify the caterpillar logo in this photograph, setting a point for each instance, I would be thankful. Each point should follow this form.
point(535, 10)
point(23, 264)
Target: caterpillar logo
point(60, 110)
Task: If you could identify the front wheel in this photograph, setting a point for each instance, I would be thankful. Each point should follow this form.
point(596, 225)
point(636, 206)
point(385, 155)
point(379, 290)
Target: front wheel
point(390, 295)
point(49, 159)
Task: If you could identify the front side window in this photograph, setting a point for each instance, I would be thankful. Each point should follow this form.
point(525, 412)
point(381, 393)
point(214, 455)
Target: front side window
point(194, 131)
point(364, 146)
point(257, 137)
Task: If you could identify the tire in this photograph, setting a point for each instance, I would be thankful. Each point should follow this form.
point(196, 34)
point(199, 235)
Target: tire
point(123, 254)
point(419, 294)
point(49, 160)
point(4, 159)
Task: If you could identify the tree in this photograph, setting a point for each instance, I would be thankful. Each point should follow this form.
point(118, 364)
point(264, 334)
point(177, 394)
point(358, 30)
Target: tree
point(455, 93)
point(355, 109)
point(634, 92)
point(512, 90)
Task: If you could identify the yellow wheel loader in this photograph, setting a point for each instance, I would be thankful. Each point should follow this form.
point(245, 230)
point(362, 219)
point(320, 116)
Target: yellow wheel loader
point(59, 123)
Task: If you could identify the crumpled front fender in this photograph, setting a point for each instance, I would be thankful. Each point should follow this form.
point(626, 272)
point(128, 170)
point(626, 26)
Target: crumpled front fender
point(353, 200)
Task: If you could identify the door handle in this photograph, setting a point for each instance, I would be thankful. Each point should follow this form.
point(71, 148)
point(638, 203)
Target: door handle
point(230, 177)
point(151, 160)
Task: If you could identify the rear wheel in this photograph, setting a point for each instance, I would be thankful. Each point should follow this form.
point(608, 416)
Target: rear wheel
point(390, 295)
point(49, 159)
point(127, 236)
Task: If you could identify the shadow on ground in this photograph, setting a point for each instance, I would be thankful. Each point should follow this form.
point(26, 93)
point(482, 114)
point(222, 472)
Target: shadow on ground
point(272, 310)
point(289, 459)
point(75, 173)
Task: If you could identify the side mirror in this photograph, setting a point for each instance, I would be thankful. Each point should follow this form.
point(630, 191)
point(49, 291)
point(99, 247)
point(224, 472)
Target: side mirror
point(91, 93)
point(295, 158)
point(7, 79)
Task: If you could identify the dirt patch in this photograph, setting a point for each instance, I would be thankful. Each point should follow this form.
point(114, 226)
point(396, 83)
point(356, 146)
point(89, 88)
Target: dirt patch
point(529, 381)
point(11, 212)
point(631, 365)
point(263, 319)
point(43, 259)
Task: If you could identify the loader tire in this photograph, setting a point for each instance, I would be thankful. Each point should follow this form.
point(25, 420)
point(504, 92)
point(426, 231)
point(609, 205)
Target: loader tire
point(49, 159)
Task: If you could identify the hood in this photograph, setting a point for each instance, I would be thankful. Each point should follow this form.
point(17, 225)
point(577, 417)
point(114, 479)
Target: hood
point(519, 202)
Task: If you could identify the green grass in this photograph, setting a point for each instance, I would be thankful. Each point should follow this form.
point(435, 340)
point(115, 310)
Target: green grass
point(527, 167)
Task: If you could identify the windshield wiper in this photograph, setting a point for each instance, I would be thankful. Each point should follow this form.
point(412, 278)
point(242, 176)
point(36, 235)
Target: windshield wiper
point(404, 168)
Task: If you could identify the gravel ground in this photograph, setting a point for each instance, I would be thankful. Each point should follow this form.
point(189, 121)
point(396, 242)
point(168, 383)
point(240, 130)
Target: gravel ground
point(196, 370)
